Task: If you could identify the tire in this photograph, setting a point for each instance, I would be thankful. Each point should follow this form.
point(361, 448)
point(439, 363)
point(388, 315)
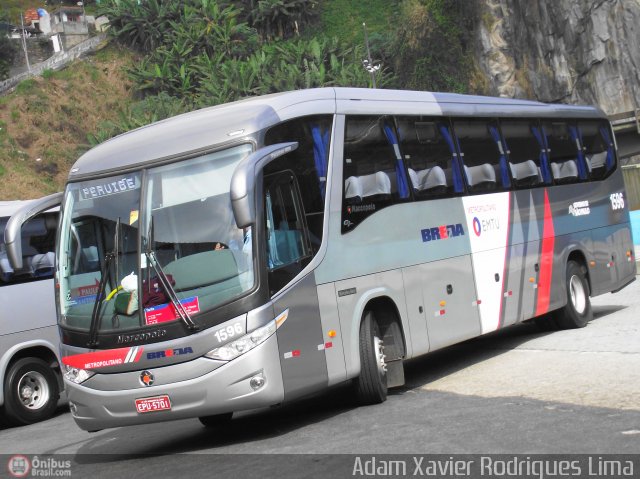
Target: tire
point(577, 312)
point(31, 392)
point(216, 421)
point(371, 385)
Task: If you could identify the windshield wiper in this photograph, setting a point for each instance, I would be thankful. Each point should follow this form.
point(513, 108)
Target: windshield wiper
point(96, 314)
point(166, 284)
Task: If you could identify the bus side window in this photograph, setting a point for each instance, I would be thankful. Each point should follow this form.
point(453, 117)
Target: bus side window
point(524, 151)
point(484, 156)
point(309, 163)
point(374, 173)
point(428, 157)
point(287, 243)
point(598, 148)
point(565, 155)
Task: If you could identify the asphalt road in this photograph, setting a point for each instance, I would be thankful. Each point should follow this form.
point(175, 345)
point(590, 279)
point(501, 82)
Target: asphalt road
point(517, 391)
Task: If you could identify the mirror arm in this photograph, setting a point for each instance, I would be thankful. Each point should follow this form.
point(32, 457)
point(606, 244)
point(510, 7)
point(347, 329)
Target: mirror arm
point(243, 181)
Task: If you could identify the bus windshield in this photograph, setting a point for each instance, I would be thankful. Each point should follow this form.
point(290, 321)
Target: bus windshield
point(134, 245)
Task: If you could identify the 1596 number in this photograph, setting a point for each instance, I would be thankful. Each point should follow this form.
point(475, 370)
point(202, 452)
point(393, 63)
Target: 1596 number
point(617, 201)
point(229, 332)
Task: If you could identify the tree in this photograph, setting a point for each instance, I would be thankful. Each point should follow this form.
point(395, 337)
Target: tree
point(8, 55)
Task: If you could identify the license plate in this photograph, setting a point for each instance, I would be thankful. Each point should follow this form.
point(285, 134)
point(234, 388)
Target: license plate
point(158, 403)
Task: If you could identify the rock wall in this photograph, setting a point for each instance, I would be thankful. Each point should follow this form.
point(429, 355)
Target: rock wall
point(569, 51)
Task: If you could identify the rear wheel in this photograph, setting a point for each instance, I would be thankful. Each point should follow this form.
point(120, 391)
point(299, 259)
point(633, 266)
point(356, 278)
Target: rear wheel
point(577, 312)
point(216, 421)
point(371, 385)
point(31, 392)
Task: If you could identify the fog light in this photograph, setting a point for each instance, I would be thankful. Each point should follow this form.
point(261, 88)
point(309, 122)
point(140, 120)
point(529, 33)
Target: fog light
point(257, 381)
point(73, 408)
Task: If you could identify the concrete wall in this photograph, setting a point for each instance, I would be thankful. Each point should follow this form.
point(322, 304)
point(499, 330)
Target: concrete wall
point(631, 175)
point(56, 62)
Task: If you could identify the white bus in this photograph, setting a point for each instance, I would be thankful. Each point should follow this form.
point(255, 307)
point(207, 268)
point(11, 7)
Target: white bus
point(29, 364)
point(249, 254)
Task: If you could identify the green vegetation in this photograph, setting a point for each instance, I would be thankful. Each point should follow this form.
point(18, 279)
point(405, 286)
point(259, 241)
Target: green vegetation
point(8, 54)
point(432, 45)
point(45, 122)
point(178, 56)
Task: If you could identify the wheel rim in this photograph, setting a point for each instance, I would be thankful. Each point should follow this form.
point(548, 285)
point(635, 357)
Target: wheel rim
point(33, 390)
point(381, 363)
point(578, 294)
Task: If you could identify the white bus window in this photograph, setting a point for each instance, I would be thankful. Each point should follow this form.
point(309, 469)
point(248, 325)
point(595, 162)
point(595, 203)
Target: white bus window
point(428, 156)
point(526, 150)
point(564, 144)
point(599, 151)
point(308, 162)
point(287, 245)
point(483, 155)
point(38, 246)
point(375, 175)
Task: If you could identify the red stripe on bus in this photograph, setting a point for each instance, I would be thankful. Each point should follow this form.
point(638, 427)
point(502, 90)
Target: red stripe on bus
point(546, 259)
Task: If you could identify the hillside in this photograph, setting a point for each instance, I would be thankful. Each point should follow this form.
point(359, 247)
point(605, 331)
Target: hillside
point(45, 122)
point(233, 49)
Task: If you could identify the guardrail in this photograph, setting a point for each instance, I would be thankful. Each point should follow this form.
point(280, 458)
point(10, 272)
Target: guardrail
point(626, 119)
point(56, 62)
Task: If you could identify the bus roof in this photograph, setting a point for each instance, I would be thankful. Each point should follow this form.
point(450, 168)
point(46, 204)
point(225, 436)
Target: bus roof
point(7, 208)
point(199, 130)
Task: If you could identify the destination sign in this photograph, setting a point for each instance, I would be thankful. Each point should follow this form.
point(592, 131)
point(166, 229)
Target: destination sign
point(110, 187)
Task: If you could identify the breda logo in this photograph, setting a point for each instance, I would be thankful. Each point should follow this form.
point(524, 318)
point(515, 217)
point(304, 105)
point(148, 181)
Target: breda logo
point(442, 232)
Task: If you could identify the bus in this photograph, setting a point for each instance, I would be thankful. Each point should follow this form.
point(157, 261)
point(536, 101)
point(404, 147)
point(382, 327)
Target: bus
point(30, 375)
point(249, 254)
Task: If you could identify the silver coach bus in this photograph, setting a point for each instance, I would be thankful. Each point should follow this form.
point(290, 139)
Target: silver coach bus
point(29, 365)
point(249, 254)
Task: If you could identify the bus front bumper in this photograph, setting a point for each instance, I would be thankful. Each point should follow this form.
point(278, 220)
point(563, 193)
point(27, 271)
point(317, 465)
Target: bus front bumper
point(224, 388)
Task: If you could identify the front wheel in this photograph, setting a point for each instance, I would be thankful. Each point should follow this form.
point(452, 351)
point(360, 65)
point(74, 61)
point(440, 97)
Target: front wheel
point(31, 392)
point(371, 385)
point(577, 312)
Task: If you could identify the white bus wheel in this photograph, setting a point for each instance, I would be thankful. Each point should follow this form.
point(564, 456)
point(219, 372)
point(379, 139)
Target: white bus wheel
point(371, 385)
point(577, 312)
point(31, 392)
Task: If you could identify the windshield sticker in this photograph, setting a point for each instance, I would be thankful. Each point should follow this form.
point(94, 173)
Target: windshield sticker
point(167, 312)
point(104, 359)
point(128, 183)
point(83, 294)
point(133, 217)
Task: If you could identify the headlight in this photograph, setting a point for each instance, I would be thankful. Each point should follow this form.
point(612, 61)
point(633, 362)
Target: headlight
point(241, 345)
point(76, 375)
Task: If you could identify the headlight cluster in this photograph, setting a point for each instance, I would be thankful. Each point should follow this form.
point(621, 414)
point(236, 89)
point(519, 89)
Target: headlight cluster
point(76, 375)
point(241, 345)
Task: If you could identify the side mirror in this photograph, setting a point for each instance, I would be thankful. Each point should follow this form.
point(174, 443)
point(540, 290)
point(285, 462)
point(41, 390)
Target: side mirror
point(243, 181)
point(13, 230)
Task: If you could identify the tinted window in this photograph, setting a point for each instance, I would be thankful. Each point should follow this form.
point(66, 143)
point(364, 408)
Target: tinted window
point(427, 144)
point(38, 246)
point(286, 234)
point(483, 155)
point(524, 151)
point(374, 173)
point(565, 165)
point(308, 163)
point(597, 144)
